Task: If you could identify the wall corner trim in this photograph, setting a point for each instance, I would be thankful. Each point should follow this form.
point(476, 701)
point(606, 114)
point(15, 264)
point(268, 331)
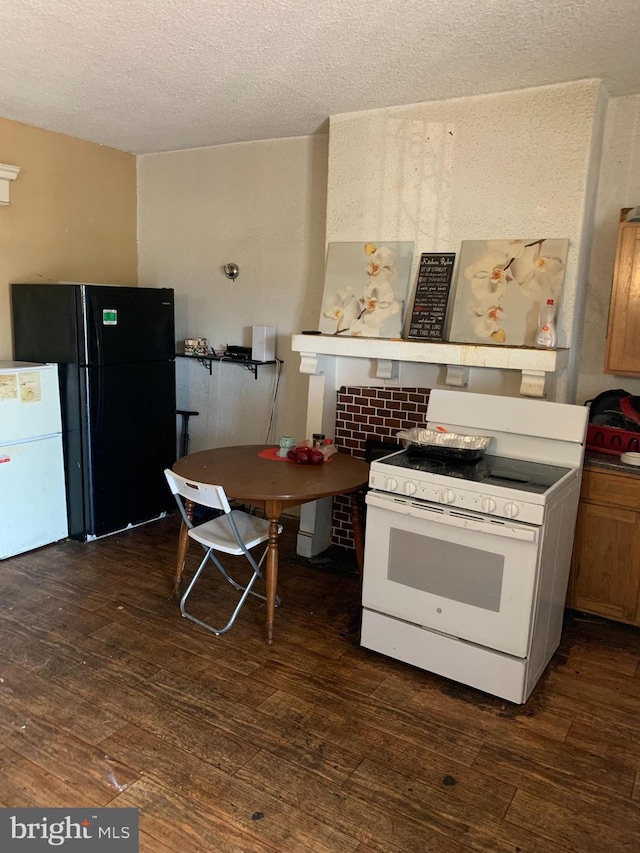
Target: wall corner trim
point(7, 174)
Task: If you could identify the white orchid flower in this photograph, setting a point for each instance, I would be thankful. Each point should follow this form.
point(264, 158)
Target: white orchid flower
point(509, 248)
point(379, 294)
point(369, 324)
point(378, 305)
point(486, 320)
point(382, 261)
point(537, 273)
point(345, 308)
point(488, 276)
point(549, 274)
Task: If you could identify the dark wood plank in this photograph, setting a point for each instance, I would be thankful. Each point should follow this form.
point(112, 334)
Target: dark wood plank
point(374, 825)
point(412, 758)
point(28, 694)
point(593, 781)
point(23, 784)
point(52, 651)
point(143, 707)
point(227, 797)
point(76, 763)
point(259, 730)
point(394, 720)
point(572, 825)
point(148, 844)
point(206, 670)
point(442, 813)
point(175, 819)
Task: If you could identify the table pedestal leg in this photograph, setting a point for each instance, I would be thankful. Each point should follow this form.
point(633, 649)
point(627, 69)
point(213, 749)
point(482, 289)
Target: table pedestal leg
point(183, 544)
point(272, 578)
point(356, 524)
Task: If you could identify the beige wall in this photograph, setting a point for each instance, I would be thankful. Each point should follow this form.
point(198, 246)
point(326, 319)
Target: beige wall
point(72, 215)
point(262, 206)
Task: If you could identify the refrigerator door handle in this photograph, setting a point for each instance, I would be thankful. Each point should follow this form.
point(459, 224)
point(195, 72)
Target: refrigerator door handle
point(96, 329)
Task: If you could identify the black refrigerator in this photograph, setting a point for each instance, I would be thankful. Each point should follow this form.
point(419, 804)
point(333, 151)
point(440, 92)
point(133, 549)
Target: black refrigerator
point(115, 350)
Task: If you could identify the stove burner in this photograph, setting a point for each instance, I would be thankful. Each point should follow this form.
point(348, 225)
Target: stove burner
point(430, 464)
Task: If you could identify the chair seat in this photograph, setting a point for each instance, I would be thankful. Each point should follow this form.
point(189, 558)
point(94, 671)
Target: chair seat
point(217, 532)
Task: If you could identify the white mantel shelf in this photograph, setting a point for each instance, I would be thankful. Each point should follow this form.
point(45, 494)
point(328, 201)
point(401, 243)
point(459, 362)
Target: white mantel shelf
point(534, 364)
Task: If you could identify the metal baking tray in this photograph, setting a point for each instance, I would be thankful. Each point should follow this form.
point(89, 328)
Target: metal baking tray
point(444, 445)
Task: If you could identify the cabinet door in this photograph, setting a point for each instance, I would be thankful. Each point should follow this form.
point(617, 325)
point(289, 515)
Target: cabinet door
point(623, 335)
point(605, 570)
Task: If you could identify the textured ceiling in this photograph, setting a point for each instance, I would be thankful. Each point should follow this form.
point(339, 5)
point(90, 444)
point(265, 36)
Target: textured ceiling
point(158, 75)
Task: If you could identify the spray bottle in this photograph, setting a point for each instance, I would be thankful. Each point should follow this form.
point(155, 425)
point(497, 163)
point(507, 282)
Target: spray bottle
point(547, 336)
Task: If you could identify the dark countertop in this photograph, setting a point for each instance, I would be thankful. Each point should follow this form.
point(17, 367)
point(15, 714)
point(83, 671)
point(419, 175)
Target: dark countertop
point(610, 462)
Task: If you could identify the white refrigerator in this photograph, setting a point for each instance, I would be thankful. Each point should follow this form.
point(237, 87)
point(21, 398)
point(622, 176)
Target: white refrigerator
point(33, 506)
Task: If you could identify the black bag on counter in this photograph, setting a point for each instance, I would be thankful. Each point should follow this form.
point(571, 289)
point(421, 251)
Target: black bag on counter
point(605, 410)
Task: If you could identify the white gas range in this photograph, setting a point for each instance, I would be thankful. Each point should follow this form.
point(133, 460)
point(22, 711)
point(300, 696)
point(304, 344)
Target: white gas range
point(466, 564)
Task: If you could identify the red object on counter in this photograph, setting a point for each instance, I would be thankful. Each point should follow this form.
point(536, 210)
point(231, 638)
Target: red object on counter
point(611, 440)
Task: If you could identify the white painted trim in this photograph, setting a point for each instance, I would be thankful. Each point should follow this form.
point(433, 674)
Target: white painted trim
point(7, 174)
point(533, 363)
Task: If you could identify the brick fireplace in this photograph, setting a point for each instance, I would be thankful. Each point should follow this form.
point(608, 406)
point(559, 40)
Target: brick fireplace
point(366, 417)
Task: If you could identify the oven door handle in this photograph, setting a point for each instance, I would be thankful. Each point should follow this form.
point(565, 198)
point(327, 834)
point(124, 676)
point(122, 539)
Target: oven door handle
point(495, 528)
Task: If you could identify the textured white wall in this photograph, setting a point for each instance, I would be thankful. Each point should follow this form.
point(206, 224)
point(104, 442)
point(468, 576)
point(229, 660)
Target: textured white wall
point(516, 164)
point(619, 187)
point(262, 206)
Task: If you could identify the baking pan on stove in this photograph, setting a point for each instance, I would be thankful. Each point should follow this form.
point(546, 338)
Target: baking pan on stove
point(444, 445)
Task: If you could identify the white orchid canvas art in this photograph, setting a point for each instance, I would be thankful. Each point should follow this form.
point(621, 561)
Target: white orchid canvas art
point(501, 286)
point(365, 289)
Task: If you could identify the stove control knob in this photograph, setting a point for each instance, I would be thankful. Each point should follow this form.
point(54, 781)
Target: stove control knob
point(488, 505)
point(511, 510)
point(391, 484)
point(410, 488)
point(447, 496)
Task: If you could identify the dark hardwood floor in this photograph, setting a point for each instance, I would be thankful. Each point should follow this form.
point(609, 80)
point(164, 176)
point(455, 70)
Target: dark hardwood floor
point(109, 698)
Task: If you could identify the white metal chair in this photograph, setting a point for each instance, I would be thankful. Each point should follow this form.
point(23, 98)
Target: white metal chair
point(236, 532)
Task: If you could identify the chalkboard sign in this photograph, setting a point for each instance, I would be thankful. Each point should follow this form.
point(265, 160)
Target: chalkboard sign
point(432, 295)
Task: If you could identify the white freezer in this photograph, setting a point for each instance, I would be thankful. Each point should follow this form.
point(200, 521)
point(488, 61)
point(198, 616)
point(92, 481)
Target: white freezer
point(29, 401)
point(33, 506)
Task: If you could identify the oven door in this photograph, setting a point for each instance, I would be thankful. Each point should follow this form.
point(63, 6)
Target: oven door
point(456, 572)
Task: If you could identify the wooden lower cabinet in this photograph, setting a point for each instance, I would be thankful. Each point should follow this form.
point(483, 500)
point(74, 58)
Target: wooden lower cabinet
point(605, 567)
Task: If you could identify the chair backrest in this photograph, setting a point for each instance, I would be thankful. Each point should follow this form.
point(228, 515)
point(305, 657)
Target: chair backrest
point(213, 497)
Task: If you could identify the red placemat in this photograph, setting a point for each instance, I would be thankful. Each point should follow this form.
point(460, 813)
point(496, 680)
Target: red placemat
point(272, 453)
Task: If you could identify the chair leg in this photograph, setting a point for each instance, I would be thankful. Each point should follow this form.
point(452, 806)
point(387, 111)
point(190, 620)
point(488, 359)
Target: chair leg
point(246, 590)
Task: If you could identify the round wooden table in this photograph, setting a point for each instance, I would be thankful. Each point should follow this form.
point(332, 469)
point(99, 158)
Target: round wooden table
point(273, 486)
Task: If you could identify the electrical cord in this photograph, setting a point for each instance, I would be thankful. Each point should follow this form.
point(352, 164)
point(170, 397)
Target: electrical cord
point(270, 439)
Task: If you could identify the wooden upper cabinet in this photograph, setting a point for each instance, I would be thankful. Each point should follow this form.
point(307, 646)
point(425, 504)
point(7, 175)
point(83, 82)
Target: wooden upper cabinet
point(623, 334)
